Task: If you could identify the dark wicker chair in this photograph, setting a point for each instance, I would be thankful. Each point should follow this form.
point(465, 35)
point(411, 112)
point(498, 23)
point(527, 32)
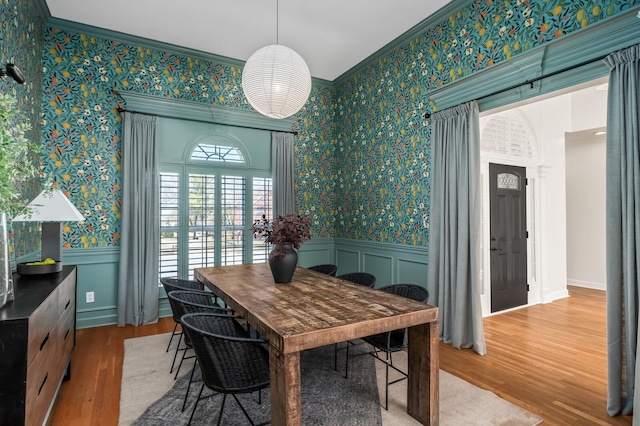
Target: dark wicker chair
point(393, 341)
point(190, 301)
point(229, 364)
point(362, 278)
point(171, 284)
point(326, 268)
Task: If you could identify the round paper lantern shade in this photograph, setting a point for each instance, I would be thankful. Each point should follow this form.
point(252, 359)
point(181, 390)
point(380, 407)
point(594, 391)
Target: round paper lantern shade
point(276, 81)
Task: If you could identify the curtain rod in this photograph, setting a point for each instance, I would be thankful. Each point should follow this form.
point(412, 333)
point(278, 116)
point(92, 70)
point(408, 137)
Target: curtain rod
point(120, 109)
point(427, 115)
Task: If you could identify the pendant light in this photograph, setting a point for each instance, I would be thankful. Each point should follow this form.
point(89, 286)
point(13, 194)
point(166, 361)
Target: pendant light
point(276, 80)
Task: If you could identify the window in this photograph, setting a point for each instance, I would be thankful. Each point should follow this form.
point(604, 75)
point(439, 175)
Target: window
point(206, 212)
point(508, 135)
point(508, 181)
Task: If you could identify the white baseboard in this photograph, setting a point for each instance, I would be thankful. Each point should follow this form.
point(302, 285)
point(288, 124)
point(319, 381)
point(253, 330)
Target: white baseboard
point(550, 297)
point(587, 284)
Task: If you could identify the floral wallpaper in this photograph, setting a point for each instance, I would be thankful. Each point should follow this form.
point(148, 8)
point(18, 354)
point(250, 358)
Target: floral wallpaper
point(21, 43)
point(383, 151)
point(362, 154)
point(82, 136)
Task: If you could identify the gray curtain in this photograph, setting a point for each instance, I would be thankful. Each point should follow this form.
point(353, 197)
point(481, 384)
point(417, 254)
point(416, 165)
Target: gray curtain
point(623, 228)
point(454, 226)
point(140, 233)
point(283, 171)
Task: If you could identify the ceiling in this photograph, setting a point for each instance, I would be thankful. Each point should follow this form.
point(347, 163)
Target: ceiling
point(331, 35)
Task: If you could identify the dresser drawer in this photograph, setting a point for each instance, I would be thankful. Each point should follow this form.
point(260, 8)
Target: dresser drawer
point(42, 378)
point(65, 334)
point(66, 293)
point(41, 325)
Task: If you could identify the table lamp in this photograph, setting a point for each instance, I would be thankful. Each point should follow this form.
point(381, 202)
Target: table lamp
point(51, 207)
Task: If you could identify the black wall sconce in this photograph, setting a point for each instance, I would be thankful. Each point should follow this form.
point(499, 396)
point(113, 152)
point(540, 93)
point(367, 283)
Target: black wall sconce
point(14, 72)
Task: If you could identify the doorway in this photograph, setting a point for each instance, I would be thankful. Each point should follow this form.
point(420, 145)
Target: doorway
point(533, 135)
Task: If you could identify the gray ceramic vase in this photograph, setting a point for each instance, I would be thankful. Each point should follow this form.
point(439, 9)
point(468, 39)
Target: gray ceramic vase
point(283, 267)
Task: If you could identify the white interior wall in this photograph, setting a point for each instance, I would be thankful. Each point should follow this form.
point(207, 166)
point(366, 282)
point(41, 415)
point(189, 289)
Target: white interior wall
point(588, 108)
point(586, 237)
point(586, 193)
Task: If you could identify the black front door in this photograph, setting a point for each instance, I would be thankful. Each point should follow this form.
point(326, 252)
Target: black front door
point(508, 236)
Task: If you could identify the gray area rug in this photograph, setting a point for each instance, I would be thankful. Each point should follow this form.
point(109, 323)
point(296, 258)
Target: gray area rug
point(327, 398)
point(146, 378)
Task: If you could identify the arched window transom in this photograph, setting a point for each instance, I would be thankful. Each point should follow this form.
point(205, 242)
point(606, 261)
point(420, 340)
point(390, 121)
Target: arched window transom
point(225, 154)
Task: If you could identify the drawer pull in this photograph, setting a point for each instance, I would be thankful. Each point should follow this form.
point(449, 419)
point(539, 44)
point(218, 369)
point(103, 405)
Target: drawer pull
point(43, 382)
point(66, 334)
point(67, 305)
point(44, 342)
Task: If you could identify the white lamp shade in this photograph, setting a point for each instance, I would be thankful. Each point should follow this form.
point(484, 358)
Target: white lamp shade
point(276, 81)
point(51, 206)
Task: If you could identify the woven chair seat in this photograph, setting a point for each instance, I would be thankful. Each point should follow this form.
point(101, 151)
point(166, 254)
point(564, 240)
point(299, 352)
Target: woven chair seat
point(326, 268)
point(362, 278)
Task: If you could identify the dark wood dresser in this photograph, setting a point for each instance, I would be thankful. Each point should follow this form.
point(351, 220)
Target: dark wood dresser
point(37, 337)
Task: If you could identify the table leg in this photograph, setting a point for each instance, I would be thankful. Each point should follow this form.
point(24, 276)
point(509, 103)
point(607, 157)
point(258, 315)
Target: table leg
point(285, 388)
point(424, 369)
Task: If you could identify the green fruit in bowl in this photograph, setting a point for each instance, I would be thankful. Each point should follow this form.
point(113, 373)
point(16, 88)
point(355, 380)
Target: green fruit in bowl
point(47, 261)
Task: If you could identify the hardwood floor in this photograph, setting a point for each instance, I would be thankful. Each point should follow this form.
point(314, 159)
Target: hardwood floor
point(549, 359)
point(92, 396)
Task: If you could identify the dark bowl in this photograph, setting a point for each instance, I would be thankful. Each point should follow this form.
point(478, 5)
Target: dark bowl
point(24, 269)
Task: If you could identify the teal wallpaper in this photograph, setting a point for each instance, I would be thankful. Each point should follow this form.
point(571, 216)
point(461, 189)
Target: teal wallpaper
point(383, 152)
point(81, 126)
point(362, 155)
point(21, 44)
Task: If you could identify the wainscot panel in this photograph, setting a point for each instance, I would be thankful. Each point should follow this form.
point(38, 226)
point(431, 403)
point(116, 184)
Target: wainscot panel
point(348, 260)
point(390, 263)
point(97, 273)
point(316, 251)
point(410, 271)
point(380, 266)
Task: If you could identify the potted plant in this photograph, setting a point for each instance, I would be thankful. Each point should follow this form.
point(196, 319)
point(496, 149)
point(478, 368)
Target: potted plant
point(286, 233)
point(16, 166)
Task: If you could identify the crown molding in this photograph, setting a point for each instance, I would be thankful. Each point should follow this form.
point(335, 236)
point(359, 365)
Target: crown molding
point(142, 41)
point(156, 45)
point(417, 30)
point(190, 110)
point(567, 53)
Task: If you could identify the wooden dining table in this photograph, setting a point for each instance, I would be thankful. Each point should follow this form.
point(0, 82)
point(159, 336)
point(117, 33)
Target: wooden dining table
point(316, 310)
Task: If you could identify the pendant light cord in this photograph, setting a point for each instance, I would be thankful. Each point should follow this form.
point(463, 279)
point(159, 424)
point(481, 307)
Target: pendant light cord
point(277, 21)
